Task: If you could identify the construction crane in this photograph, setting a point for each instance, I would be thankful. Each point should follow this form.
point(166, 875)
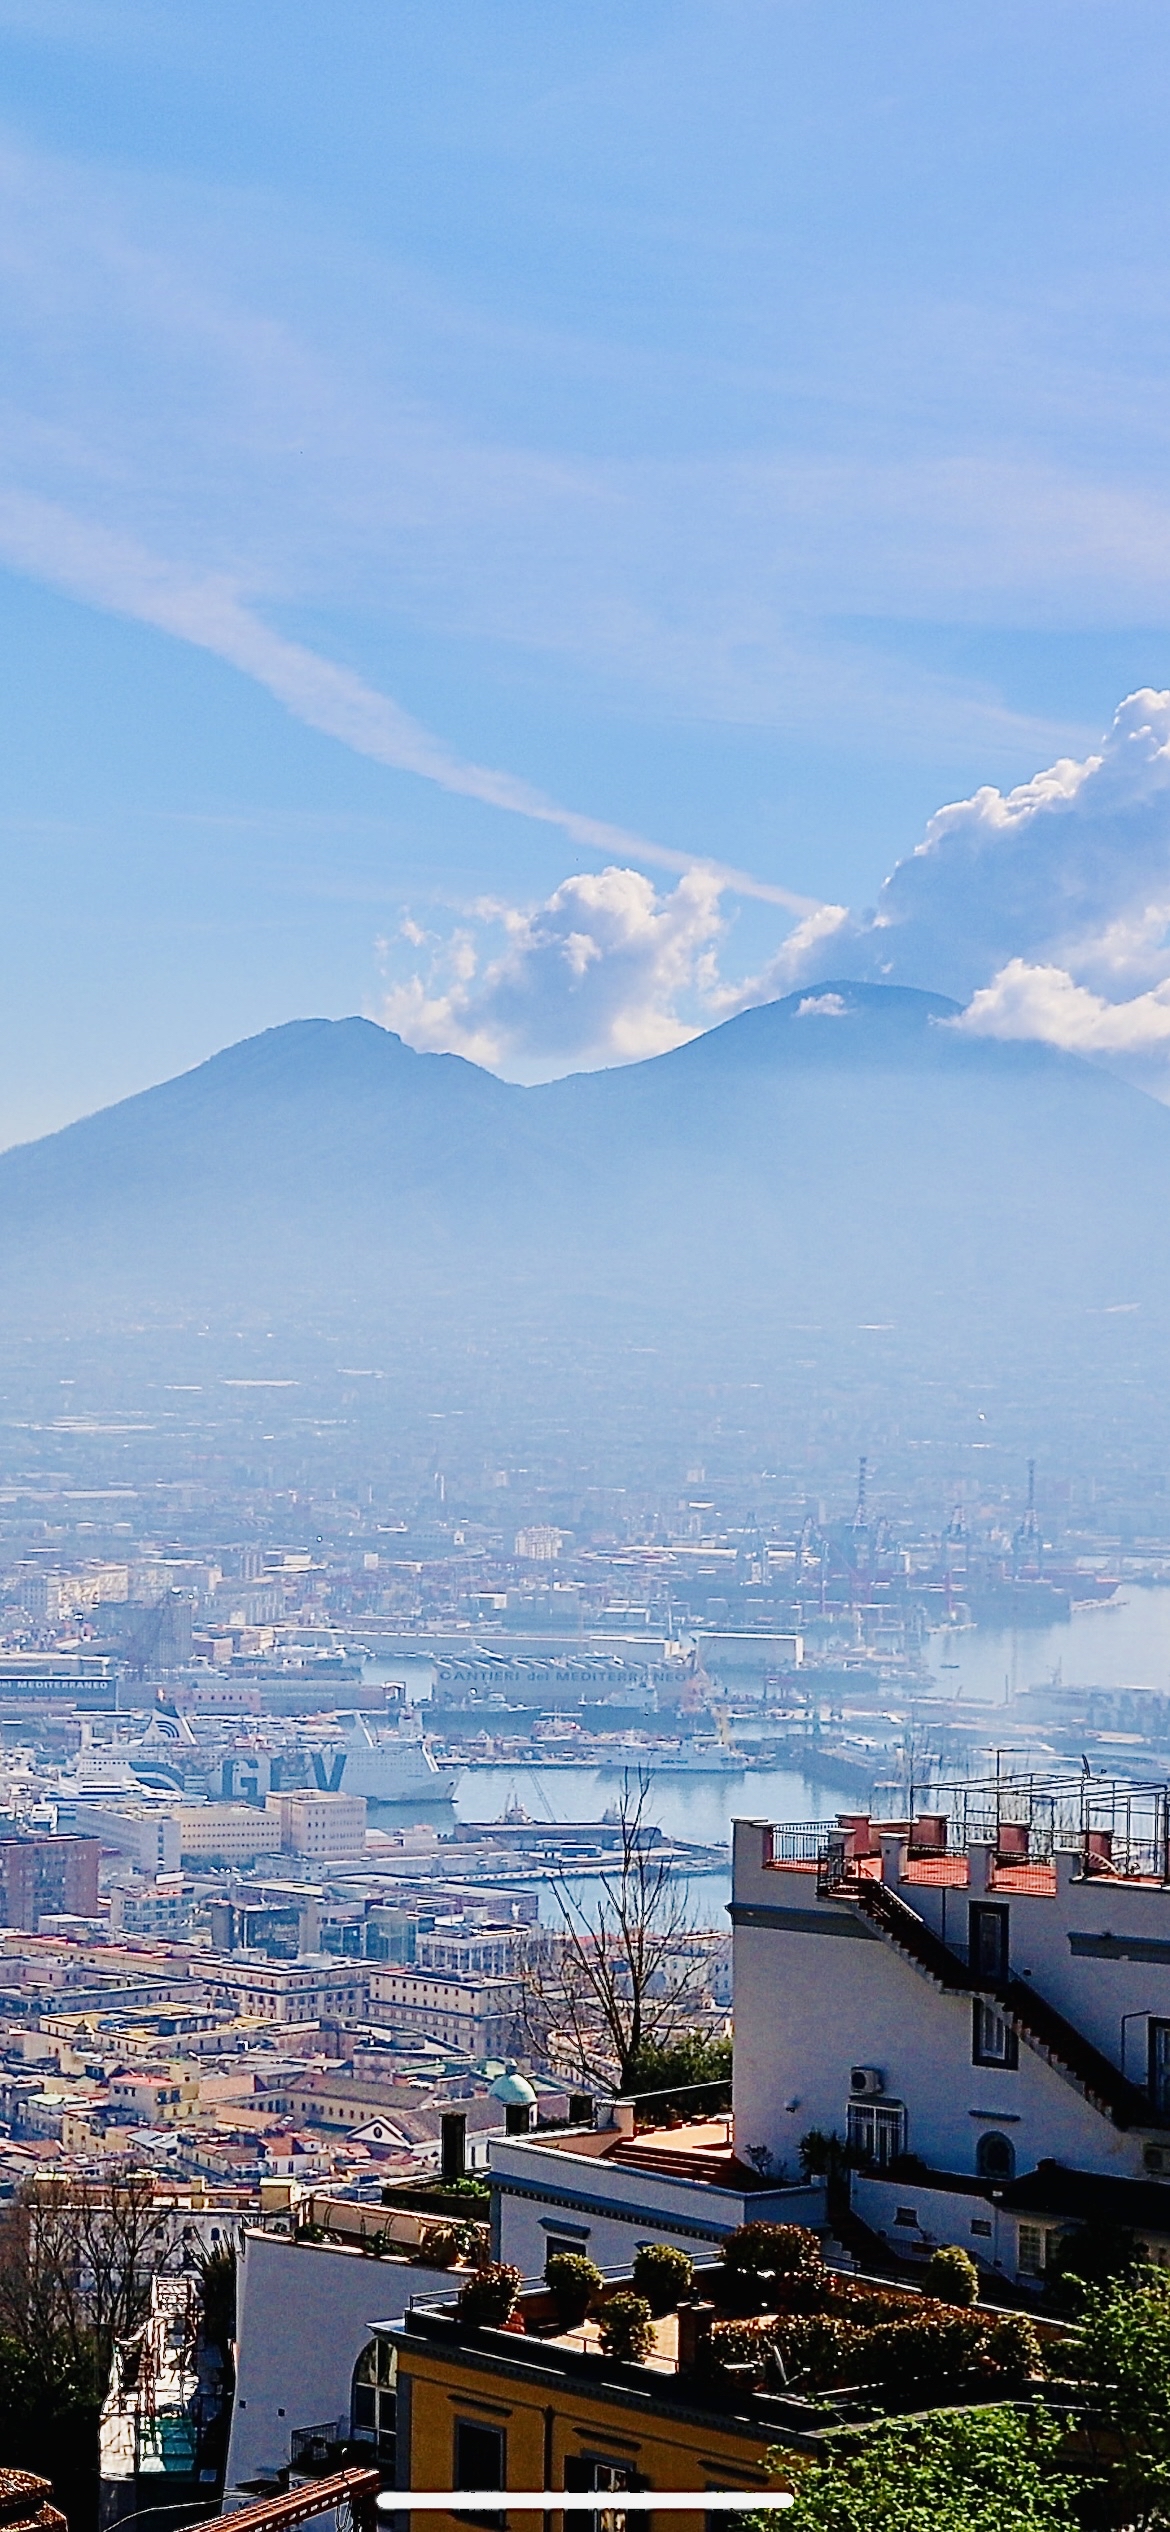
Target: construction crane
point(1026, 1543)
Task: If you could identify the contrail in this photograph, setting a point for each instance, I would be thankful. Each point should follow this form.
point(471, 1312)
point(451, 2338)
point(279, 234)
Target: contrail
point(50, 543)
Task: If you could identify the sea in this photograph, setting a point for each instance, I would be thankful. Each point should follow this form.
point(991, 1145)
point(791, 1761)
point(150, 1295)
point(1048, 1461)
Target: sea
point(1118, 1643)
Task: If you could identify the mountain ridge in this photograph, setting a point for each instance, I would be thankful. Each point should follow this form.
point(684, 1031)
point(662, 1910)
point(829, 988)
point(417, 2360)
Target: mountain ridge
point(842, 1150)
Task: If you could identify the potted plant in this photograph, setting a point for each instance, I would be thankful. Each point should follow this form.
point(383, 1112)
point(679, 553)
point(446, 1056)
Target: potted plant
point(663, 2275)
point(627, 2329)
point(488, 2299)
point(573, 2282)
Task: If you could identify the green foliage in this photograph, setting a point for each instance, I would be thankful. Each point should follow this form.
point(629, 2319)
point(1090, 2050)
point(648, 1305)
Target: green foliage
point(694, 2059)
point(663, 2275)
point(773, 2250)
point(1096, 2255)
point(951, 2274)
point(991, 2471)
point(488, 2298)
point(573, 2282)
point(763, 2264)
point(217, 2295)
point(1121, 2354)
point(822, 2155)
point(930, 2355)
point(627, 2329)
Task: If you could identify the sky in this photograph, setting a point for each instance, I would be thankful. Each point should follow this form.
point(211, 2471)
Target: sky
point(543, 524)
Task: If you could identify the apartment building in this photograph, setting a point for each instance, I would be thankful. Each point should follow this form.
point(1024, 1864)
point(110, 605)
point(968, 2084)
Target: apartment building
point(148, 1832)
point(976, 2004)
point(47, 1876)
point(314, 1990)
point(481, 2017)
point(227, 1832)
point(330, 1826)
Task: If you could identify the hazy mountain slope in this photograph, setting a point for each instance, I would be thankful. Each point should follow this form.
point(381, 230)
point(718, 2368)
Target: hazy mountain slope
point(846, 1155)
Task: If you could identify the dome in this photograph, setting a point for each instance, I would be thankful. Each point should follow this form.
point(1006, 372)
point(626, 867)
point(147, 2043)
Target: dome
point(513, 2089)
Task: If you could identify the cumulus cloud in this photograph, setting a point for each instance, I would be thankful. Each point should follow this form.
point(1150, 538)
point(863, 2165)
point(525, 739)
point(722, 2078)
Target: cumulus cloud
point(1045, 910)
point(1045, 1002)
point(1071, 869)
point(606, 970)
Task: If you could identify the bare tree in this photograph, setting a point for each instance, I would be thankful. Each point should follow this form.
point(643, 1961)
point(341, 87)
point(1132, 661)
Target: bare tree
point(76, 2261)
point(621, 1976)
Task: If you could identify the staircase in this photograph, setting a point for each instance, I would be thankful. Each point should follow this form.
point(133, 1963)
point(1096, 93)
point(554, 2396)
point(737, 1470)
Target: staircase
point(1045, 2030)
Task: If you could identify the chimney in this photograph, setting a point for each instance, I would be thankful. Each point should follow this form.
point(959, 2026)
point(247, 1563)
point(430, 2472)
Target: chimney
point(695, 2323)
point(453, 2145)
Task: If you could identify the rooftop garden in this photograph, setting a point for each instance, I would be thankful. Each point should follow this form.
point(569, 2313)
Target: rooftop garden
point(769, 2327)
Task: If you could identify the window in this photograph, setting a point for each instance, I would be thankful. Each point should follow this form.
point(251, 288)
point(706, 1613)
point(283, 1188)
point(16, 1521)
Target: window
point(1032, 2250)
point(373, 2406)
point(979, 2224)
point(876, 2131)
point(995, 2158)
point(480, 2457)
point(597, 2471)
point(987, 1941)
point(993, 2037)
point(1160, 2068)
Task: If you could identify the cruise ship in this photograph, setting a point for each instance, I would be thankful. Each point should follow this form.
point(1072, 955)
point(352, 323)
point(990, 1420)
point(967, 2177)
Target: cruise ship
point(390, 1762)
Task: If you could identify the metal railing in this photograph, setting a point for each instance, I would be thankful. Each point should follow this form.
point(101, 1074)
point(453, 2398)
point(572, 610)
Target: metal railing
point(1119, 1826)
point(795, 1841)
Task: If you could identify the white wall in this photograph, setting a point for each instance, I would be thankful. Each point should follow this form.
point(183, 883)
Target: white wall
point(303, 2318)
point(825, 1992)
point(606, 2209)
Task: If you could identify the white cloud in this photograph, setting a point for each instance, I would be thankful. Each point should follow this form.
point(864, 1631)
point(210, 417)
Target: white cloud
point(822, 1006)
point(1044, 910)
point(1044, 1002)
point(606, 970)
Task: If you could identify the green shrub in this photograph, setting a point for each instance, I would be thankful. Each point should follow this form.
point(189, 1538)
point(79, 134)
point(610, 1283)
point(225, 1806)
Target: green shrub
point(627, 2329)
point(764, 2265)
point(929, 2355)
point(572, 2281)
point(951, 2274)
point(773, 2250)
point(988, 2471)
point(489, 2297)
point(925, 2355)
point(663, 2275)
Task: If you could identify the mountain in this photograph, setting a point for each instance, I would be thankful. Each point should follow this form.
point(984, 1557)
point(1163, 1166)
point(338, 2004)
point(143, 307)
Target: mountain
point(843, 1159)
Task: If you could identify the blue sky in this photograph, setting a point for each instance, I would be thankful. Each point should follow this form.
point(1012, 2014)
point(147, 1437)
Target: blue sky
point(741, 429)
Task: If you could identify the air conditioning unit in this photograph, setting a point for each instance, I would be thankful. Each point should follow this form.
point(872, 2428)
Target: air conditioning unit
point(865, 2081)
point(1156, 2158)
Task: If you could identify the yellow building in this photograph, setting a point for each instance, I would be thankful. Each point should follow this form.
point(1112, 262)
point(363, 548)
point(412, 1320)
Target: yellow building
point(497, 2409)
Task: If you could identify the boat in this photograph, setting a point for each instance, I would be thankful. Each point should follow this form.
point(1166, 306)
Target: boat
point(673, 1758)
point(387, 1763)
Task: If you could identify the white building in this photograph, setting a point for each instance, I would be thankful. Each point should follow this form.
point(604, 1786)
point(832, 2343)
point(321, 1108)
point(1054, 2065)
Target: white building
point(304, 2344)
point(148, 1832)
point(986, 2025)
point(330, 1826)
point(603, 2191)
point(230, 1832)
point(321, 1988)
